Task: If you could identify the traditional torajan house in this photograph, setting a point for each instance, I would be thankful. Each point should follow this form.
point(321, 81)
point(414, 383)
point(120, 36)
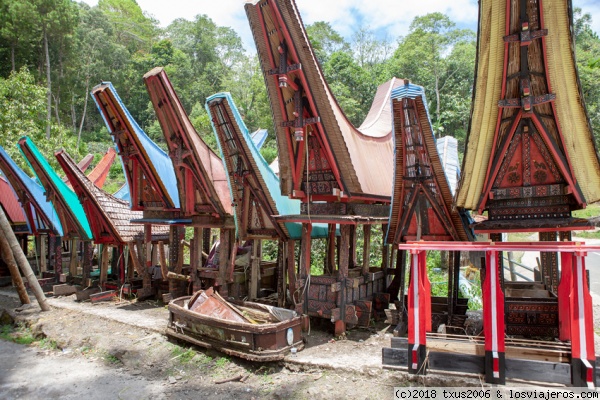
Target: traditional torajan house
point(203, 191)
point(68, 207)
point(149, 173)
point(41, 216)
point(421, 206)
point(109, 222)
point(13, 210)
point(528, 123)
point(256, 197)
point(342, 174)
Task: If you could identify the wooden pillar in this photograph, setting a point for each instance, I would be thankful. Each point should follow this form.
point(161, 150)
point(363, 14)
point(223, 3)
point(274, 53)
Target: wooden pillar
point(162, 260)
point(225, 251)
point(564, 296)
point(148, 246)
point(331, 248)
point(305, 247)
point(43, 253)
point(281, 273)
point(417, 314)
point(58, 270)
point(255, 269)
point(88, 255)
point(366, 248)
point(173, 246)
point(344, 261)
point(196, 258)
point(104, 265)
point(291, 270)
point(493, 321)
point(121, 259)
point(352, 247)
point(74, 262)
point(206, 240)
point(583, 354)
point(137, 256)
point(7, 254)
point(549, 263)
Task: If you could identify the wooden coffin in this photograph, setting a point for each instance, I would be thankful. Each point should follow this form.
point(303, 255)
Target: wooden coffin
point(252, 341)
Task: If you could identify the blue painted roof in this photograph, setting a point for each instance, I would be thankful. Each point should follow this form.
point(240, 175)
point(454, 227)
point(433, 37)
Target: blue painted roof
point(259, 137)
point(36, 193)
point(285, 205)
point(123, 193)
point(158, 159)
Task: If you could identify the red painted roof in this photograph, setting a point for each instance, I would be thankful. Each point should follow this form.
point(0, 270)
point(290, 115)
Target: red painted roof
point(10, 203)
point(100, 172)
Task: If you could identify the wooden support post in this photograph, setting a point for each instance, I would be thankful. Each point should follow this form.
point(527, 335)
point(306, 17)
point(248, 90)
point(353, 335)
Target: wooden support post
point(8, 257)
point(549, 262)
point(330, 263)
point(162, 260)
point(305, 247)
point(281, 273)
point(583, 354)
point(352, 247)
point(255, 269)
point(196, 259)
point(366, 248)
point(56, 249)
point(135, 250)
point(88, 255)
point(493, 321)
point(148, 245)
point(564, 296)
point(225, 252)
point(74, 262)
point(43, 252)
point(13, 244)
point(104, 265)
point(344, 260)
point(206, 240)
point(417, 315)
point(291, 269)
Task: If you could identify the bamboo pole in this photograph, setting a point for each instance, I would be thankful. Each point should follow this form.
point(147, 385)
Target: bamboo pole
point(7, 255)
point(18, 254)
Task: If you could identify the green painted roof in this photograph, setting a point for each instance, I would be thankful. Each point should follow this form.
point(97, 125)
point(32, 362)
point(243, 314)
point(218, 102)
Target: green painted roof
point(71, 201)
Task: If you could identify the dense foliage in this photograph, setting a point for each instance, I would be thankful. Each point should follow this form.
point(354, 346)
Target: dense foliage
point(52, 53)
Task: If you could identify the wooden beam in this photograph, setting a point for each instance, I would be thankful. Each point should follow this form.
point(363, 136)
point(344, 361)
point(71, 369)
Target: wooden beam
point(42, 249)
point(8, 257)
point(366, 248)
point(73, 264)
point(255, 269)
point(162, 260)
point(104, 265)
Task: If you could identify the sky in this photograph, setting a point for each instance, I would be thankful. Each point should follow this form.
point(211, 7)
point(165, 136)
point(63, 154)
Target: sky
point(388, 18)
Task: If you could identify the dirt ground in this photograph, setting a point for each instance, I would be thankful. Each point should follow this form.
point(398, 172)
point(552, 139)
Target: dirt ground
point(125, 343)
point(127, 338)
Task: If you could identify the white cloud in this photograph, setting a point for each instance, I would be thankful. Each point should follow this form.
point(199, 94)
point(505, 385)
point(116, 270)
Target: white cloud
point(345, 16)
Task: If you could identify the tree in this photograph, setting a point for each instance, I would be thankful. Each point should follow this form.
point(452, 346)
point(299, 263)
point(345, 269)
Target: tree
point(325, 40)
point(17, 25)
point(22, 105)
point(439, 57)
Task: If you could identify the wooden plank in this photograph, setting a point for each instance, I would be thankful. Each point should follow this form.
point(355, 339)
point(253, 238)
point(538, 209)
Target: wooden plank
point(63, 290)
point(43, 253)
point(541, 371)
point(103, 296)
point(255, 269)
point(463, 363)
point(366, 248)
point(162, 259)
point(394, 357)
point(86, 293)
point(73, 260)
point(104, 265)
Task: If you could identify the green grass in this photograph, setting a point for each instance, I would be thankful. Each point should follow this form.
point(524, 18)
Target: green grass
point(19, 334)
point(592, 210)
point(587, 234)
point(48, 344)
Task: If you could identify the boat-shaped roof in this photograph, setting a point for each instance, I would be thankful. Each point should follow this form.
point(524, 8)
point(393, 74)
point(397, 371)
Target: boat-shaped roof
point(422, 199)
point(509, 93)
point(109, 216)
point(68, 207)
point(199, 171)
point(148, 169)
point(13, 210)
point(342, 157)
point(41, 215)
point(254, 186)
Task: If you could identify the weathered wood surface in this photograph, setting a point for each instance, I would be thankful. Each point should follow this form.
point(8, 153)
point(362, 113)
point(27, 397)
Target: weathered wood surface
point(85, 294)
point(8, 257)
point(63, 290)
point(22, 262)
point(103, 296)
